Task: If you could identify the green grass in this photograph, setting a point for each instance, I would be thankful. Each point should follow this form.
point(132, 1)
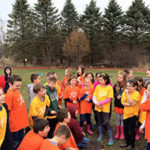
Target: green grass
point(25, 74)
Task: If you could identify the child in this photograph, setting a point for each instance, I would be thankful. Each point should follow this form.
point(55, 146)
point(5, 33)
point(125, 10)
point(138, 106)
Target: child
point(85, 98)
point(129, 73)
point(80, 75)
point(91, 77)
point(79, 136)
point(130, 100)
point(18, 117)
point(68, 73)
point(38, 104)
point(61, 136)
point(5, 135)
point(142, 115)
point(72, 92)
point(97, 79)
point(8, 72)
point(119, 87)
point(54, 105)
point(59, 88)
point(145, 106)
point(34, 138)
point(147, 79)
point(35, 79)
point(102, 99)
point(63, 117)
point(95, 145)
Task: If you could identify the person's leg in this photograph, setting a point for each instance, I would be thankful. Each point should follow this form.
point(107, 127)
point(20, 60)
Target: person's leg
point(106, 118)
point(83, 143)
point(52, 124)
point(88, 119)
point(147, 146)
point(132, 124)
point(82, 118)
point(121, 127)
point(100, 123)
point(117, 125)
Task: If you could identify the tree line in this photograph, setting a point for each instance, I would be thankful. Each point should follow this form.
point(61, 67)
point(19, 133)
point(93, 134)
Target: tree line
point(45, 37)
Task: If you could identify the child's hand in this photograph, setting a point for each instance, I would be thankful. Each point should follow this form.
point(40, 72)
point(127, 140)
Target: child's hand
point(74, 102)
point(87, 93)
point(119, 97)
point(141, 130)
point(60, 106)
point(126, 91)
point(53, 112)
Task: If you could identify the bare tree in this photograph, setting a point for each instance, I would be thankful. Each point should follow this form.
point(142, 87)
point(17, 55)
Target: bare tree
point(76, 46)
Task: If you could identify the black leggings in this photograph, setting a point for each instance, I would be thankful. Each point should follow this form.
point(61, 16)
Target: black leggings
point(83, 117)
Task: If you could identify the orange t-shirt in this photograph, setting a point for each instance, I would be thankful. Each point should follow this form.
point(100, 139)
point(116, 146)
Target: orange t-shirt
point(85, 106)
point(70, 141)
point(65, 82)
point(31, 141)
point(59, 88)
point(18, 118)
point(48, 144)
point(81, 81)
point(72, 93)
point(146, 107)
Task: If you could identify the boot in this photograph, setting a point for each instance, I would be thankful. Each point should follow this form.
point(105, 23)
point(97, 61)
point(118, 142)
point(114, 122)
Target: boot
point(88, 130)
point(117, 132)
point(100, 129)
point(111, 139)
point(137, 137)
point(122, 133)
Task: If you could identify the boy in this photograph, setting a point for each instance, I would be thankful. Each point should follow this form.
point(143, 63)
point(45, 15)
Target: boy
point(62, 134)
point(34, 138)
point(18, 117)
point(5, 135)
point(38, 104)
point(52, 93)
point(35, 79)
point(63, 117)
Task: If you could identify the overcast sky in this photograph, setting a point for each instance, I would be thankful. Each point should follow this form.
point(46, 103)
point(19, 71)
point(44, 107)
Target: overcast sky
point(6, 5)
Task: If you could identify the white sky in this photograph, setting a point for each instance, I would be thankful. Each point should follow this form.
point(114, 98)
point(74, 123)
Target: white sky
point(6, 5)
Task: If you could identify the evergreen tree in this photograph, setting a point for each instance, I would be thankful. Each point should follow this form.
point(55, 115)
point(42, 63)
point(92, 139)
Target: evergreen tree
point(113, 18)
point(46, 23)
point(19, 33)
point(69, 18)
point(91, 23)
point(137, 23)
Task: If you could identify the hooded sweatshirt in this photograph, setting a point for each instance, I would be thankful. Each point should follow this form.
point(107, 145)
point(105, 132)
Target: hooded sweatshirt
point(7, 79)
point(74, 125)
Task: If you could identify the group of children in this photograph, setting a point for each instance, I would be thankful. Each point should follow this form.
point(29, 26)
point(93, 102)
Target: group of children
point(47, 116)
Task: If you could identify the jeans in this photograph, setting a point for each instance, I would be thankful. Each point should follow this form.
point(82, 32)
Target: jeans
point(148, 146)
point(83, 143)
point(17, 138)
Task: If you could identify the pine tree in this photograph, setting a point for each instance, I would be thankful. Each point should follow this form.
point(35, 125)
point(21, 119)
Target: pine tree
point(19, 33)
point(91, 23)
point(46, 28)
point(69, 18)
point(137, 23)
point(113, 19)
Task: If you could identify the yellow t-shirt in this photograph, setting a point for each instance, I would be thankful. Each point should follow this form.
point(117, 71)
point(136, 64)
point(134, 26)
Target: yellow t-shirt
point(3, 122)
point(37, 108)
point(131, 111)
point(102, 93)
point(142, 115)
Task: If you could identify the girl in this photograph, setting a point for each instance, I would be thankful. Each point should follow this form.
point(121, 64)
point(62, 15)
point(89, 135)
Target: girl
point(71, 92)
point(97, 79)
point(129, 73)
point(91, 77)
point(80, 75)
point(85, 98)
point(130, 100)
point(145, 106)
point(142, 114)
point(119, 87)
point(68, 73)
point(102, 98)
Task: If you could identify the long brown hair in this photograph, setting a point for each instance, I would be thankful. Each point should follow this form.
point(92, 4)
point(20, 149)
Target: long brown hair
point(124, 82)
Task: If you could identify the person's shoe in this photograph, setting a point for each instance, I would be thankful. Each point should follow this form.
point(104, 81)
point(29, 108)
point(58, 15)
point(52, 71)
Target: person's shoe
point(111, 139)
point(137, 137)
point(124, 145)
point(100, 133)
point(117, 132)
point(81, 128)
point(122, 133)
point(88, 130)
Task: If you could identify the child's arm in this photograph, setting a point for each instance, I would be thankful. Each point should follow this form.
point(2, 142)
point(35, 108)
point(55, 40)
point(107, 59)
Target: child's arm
point(94, 100)
point(145, 106)
point(105, 101)
point(130, 101)
point(142, 127)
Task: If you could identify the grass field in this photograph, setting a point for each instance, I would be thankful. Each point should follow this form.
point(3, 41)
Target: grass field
point(25, 74)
